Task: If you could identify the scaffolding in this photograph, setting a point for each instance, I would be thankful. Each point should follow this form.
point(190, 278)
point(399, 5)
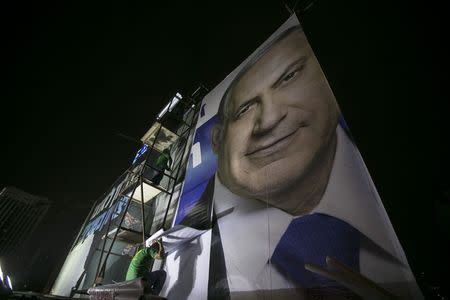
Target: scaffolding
point(143, 200)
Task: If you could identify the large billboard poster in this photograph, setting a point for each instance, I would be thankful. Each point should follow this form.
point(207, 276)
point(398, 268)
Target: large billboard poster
point(283, 203)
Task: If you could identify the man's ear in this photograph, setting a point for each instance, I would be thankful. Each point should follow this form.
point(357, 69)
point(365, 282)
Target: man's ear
point(216, 134)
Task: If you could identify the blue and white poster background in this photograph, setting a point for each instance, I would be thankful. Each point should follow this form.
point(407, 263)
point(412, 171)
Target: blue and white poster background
point(201, 167)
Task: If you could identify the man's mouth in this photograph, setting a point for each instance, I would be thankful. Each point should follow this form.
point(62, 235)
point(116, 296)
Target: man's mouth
point(272, 146)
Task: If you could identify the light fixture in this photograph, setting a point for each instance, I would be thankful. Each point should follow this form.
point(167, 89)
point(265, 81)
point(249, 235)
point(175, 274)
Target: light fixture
point(169, 107)
point(8, 281)
point(140, 152)
point(1, 274)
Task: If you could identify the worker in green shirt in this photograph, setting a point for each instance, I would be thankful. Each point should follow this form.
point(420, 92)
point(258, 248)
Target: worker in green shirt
point(162, 163)
point(141, 263)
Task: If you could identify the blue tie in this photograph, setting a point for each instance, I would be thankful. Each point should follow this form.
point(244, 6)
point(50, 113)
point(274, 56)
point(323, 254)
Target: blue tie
point(310, 239)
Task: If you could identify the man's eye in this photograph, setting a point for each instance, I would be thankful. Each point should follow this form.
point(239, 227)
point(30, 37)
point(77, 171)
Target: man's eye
point(291, 75)
point(243, 110)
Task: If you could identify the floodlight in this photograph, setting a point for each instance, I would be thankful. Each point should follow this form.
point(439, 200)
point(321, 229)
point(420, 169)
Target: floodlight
point(169, 107)
point(8, 281)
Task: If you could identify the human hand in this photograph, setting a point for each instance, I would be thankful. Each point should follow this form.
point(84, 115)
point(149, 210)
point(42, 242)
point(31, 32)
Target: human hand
point(157, 249)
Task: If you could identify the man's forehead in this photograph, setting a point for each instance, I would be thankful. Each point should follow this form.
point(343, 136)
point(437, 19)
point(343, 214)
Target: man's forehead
point(269, 65)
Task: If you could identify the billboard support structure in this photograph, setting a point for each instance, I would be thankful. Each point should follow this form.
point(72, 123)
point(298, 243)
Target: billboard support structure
point(137, 176)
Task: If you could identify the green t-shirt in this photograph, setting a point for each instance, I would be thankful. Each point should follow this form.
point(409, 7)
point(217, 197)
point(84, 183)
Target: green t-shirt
point(140, 264)
point(162, 160)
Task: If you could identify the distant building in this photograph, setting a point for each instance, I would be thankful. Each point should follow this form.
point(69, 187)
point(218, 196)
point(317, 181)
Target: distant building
point(20, 214)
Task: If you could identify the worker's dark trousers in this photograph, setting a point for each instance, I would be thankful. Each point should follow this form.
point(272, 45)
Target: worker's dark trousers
point(156, 280)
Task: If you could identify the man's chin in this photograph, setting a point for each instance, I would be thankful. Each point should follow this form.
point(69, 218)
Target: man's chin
point(271, 181)
point(261, 190)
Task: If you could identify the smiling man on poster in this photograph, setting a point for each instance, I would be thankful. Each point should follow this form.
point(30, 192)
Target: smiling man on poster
point(293, 210)
point(297, 185)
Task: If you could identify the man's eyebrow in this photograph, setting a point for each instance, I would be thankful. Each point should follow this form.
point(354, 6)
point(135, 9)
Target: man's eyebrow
point(301, 60)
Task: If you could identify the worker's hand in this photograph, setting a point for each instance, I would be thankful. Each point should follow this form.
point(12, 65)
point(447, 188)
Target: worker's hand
point(351, 279)
point(157, 249)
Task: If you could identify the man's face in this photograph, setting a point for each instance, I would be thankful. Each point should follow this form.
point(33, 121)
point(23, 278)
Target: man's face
point(281, 118)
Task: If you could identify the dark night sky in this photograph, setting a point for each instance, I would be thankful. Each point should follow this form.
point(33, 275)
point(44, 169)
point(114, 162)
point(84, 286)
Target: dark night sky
point(77, 75)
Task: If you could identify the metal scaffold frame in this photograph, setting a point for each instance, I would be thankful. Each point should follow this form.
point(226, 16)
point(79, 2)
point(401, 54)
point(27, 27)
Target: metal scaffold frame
point(135, 179)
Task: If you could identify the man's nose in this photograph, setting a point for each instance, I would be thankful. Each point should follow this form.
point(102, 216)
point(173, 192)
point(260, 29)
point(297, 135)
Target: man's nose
point(269, 114)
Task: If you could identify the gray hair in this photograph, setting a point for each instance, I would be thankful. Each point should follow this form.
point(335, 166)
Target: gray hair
point(223, 106)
